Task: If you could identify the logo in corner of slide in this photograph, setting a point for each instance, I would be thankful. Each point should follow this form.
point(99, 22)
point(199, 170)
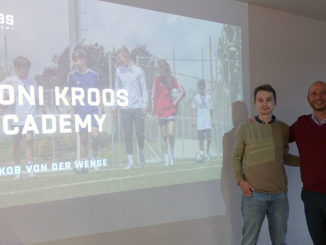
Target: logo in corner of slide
point(7, 21)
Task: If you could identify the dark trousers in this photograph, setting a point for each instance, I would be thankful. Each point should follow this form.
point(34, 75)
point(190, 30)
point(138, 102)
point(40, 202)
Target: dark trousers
point(130, 117)
point(315, 211)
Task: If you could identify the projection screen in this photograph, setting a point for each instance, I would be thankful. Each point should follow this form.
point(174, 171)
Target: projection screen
point(71, 130)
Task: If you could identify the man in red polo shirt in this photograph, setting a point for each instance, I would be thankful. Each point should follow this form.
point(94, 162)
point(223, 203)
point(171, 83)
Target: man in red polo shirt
point(309, 133)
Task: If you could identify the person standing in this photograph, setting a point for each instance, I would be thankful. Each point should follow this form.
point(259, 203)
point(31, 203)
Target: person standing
point(131, 78)
point(259, 153)
point(309, 133)
point(202, 115)
point(85, 78)
point(167, 94)
point(21, 79)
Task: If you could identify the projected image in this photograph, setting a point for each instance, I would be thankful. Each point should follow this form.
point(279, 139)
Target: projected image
point(111, 98)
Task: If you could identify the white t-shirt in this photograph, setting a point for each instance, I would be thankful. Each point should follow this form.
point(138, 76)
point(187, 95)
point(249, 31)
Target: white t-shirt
point(26, 108)
point(203, 106)
point(133, 80)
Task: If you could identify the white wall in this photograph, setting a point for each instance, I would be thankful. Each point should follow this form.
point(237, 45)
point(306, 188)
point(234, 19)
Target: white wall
point(288, 51)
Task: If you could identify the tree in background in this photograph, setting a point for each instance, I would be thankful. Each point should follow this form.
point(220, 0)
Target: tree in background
point(229, 84)
point(56, 75)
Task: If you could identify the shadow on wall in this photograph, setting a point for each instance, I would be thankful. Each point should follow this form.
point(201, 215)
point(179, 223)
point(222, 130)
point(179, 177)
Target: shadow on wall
point(229, 189)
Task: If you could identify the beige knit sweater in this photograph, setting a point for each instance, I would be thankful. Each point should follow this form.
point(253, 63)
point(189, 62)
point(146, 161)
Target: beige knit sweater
point(259, 153)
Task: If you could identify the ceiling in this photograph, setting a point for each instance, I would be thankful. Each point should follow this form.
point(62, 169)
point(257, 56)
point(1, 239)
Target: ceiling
point(309, 8)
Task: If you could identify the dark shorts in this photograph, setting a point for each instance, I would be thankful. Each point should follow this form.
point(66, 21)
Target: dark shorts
point(165, 120)
point(20, 132)
point(204, 134)
point(94, 123)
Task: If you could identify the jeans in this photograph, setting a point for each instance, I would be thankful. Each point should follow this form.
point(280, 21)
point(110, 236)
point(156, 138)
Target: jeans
point(128, 118)
point(254, 209)
point(315, 211)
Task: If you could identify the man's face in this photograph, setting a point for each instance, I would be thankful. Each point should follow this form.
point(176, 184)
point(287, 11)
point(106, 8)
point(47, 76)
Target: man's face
point(317, 96)
point(264, 103)
point(201, 89)
point(124, 58)
point(22, 71)
point(79, 62)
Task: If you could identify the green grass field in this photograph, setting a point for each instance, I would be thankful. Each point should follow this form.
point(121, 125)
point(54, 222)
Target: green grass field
point(51, 186)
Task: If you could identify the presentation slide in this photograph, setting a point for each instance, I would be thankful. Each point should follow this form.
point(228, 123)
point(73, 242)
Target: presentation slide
point(98, 97)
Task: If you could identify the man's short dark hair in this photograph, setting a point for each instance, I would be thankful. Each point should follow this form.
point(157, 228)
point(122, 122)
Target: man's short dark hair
point(78, 54)
point(21, 61)
point(124, 50)
point(201, 83)
point(265, 87)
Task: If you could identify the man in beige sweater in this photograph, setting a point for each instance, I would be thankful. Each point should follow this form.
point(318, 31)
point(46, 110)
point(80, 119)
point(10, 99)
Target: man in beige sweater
point(258, 157)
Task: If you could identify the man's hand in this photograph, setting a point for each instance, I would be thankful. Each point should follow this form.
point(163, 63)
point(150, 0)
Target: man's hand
point(72, 118)
point(193, 122)
point(102, 110)
point(144, 110)
point(114, 112)
point(246, 188)
point(44, 110)
point(252, 119)
point(68, 110)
